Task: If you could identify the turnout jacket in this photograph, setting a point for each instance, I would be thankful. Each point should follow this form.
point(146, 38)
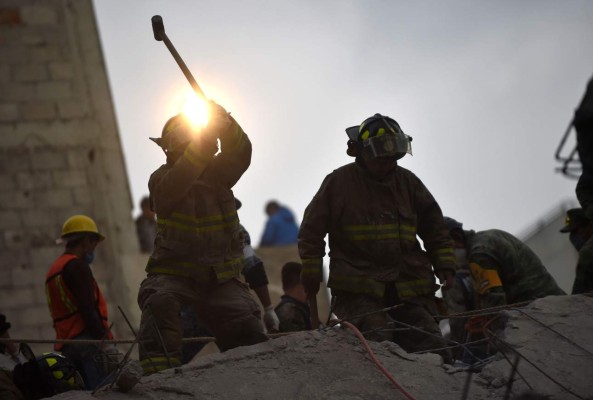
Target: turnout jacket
point(372, 226)
point(199, 234)
point(505, 270)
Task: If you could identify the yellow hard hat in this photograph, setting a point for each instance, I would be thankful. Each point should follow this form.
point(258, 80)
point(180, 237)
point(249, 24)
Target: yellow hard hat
point(80, 224)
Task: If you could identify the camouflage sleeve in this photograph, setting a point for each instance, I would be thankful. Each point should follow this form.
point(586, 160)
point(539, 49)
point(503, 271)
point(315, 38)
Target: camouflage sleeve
point(433, 231)
point(314, 228)
point(486, 281)
point(291, 318)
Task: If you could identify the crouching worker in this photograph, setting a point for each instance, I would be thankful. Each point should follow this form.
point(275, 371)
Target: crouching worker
point(77, 305)
point(198, 254)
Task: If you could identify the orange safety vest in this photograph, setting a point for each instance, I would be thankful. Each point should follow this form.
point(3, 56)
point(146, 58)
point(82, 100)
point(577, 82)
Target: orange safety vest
point(68, 321)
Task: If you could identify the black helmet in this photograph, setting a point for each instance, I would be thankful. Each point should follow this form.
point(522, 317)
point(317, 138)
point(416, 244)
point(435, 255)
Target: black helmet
point(175, 134)
point(46, 375)
point(377, 137)
point(59, 372)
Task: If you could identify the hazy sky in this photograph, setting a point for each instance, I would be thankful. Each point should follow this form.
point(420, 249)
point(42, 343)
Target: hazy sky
point(486, 90)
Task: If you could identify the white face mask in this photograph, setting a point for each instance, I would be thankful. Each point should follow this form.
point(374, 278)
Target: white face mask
point(461, 257)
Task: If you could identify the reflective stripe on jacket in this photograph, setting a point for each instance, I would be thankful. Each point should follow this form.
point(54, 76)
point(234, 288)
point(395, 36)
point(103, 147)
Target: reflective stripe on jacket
point(372, 227)
point(66, 316)
point(199, 234)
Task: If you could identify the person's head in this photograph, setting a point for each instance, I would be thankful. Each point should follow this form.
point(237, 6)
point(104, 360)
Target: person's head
point(145, 207)
point(578, 226)
point(291, 280)
point(272, 207)
point(177, 132)
point(81, 236)
point(456, 232)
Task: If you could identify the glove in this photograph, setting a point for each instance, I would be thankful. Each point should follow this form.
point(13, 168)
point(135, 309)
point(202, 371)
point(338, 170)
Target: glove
point(218, 122)
point(271, 319)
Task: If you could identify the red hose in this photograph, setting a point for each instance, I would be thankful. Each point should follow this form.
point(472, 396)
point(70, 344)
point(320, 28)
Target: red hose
point(376, 361)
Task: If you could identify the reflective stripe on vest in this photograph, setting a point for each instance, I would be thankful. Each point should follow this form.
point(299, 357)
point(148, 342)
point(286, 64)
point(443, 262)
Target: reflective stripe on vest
point(356, 284)
point(312, 267)
point(200, 272)
point(380, 232)
point(419, 287)
point(367, 285)
point(157, 364)
point(446, 255)
point(200, 225)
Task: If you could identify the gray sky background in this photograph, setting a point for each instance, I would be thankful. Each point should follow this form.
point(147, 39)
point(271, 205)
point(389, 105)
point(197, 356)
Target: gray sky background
point(486, 89)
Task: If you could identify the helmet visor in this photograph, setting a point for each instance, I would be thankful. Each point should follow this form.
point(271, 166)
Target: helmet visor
point(387, 145)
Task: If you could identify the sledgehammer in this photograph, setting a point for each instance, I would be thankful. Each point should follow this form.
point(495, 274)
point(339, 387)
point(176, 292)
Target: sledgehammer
point(159, 34)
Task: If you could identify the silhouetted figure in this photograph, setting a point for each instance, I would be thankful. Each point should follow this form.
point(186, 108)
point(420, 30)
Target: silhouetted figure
point(580, 230)
point(281, 228)
point(146, 226)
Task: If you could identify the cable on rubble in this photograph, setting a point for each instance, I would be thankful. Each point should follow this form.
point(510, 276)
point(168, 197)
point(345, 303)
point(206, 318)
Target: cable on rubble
point(376, 360)
point(511, 348)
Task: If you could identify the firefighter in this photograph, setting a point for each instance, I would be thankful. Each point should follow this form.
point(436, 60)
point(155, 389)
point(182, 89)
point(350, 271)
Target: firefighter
point(198, 254)
point(504, 270)
point(580, 230)
point(76, 303)
point(373, 210)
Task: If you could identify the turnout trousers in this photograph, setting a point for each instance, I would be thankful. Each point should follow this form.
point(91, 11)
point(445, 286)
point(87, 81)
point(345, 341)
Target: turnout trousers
point(227, 309)
point(379, 326)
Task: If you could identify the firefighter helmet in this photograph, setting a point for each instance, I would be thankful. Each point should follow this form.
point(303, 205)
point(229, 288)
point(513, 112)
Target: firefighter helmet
point(78, 225)
point(377, 137)
point(176, 133)
point(59, 373)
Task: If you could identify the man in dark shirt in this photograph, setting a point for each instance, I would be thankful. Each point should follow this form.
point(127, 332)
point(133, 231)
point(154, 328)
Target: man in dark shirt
point(293, 311)
point(146, 226)
point(75, 301)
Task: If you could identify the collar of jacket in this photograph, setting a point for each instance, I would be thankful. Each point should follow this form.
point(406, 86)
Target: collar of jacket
point(363, 169)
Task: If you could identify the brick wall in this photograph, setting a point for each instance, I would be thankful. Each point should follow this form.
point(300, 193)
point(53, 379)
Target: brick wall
point(60, 155)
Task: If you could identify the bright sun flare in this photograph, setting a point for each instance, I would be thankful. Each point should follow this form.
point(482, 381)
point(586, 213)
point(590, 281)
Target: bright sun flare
point(196, 109)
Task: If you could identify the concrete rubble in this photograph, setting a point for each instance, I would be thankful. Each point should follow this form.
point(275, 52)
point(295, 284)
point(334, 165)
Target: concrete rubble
point(553, 333)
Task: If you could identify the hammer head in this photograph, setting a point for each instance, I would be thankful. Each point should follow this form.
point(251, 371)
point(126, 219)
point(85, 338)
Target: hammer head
point(157, 27)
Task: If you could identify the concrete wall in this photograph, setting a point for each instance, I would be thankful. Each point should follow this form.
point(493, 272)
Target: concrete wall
point(60, 155)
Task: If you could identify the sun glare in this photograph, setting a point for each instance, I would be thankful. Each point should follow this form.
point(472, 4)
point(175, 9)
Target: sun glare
point(196, 110)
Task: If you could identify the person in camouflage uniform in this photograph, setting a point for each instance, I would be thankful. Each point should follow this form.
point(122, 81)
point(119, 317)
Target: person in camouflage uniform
point(293, 311)
point(580, 229)
point(372, 210)
point(503, 269)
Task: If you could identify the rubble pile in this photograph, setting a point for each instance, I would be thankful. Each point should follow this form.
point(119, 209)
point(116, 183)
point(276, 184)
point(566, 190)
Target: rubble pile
point(552, 333)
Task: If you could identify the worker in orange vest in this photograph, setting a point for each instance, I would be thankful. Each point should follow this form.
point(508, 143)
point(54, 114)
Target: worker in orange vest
point(76, 304)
